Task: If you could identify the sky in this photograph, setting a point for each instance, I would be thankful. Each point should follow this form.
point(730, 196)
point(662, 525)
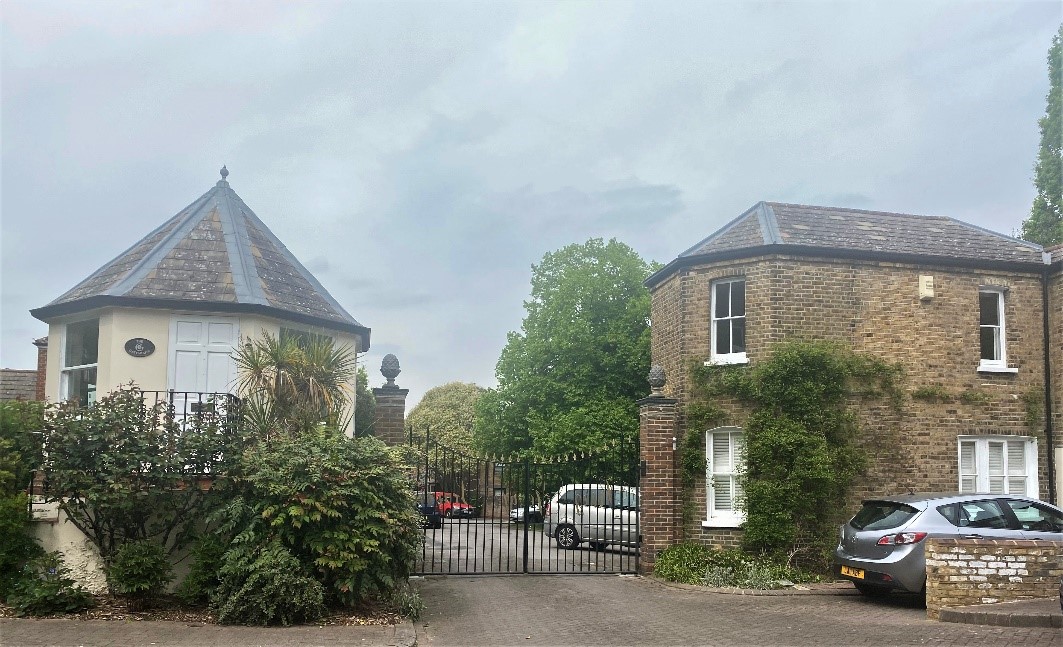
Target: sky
point(420, 158)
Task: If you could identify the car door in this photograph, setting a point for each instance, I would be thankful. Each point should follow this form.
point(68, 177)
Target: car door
point(987, 519)
point(1036, 520)
point(624, 516)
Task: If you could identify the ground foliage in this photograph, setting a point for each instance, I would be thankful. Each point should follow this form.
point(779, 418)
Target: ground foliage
point(692, 563)
point(140, 571)
point(1045, 224)
point(46, 588)
point(569, 380)
point(801, 438)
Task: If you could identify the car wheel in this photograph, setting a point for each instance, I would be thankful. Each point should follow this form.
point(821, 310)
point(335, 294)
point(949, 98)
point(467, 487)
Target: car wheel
point(567, 537)
point(871, 591)
point(450, 514)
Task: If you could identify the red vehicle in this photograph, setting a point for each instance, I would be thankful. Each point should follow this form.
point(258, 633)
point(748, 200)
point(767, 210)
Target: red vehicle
point(452, 505)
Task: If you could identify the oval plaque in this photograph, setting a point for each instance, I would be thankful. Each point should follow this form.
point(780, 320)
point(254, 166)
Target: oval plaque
point(139, 347)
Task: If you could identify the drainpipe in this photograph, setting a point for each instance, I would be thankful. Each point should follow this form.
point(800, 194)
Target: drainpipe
point(1048, 390)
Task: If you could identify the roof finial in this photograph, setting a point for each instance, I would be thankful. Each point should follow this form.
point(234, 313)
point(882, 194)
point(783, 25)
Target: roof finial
point(224, 172)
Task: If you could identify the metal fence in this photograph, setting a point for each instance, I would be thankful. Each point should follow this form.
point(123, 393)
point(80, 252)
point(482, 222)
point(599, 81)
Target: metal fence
point(577, 514)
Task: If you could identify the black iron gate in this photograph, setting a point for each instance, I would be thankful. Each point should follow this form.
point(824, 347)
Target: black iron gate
point(574, 514)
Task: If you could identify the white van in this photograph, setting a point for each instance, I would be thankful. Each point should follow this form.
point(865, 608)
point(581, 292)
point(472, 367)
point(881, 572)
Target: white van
point(595, 513)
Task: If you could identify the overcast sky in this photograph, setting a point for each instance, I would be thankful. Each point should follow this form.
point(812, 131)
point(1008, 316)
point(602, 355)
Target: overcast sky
point(418, 158)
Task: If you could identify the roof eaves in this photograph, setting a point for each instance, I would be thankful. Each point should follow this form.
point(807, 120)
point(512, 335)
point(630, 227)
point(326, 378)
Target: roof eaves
point(840, 254)
point(52, 311)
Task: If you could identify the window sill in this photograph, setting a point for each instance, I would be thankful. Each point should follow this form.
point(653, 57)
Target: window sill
point(727, 361)
point(732, 522)
point(997, 369)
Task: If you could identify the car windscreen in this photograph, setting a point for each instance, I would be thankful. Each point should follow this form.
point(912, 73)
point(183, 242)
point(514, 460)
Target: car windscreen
point(881, 515)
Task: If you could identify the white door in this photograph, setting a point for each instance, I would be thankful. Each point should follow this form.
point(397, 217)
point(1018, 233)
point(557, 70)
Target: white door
point(201, 358)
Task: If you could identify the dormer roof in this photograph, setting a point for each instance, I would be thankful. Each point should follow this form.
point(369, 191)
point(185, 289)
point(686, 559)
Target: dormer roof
point(215, 255)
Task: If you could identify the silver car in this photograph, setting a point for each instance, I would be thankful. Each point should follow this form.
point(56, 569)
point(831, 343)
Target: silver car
point(882, 548)
point(595, 513)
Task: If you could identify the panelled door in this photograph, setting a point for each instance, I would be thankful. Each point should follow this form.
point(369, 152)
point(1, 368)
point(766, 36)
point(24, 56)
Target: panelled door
point(201, 356)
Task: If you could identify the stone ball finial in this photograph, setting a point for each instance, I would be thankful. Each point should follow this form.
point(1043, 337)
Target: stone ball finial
point(656, 378)
point(389, 368)
point(224, 172)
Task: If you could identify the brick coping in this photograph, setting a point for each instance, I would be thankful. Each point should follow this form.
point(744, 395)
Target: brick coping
point(820, 588)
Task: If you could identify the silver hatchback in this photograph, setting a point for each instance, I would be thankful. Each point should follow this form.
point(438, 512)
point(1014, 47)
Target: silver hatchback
point(594, 513)
point(882, 547)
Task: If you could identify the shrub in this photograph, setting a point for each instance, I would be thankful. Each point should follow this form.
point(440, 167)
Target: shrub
point(265, 587)
point(122, 471)
point(16, 546)
point(343, 507)
point(139, 571)
point(692, 563)
point(202, 578)
point(46, 588)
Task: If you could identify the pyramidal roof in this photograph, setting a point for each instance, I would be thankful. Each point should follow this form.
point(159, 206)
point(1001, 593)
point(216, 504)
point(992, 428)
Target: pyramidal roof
point(215, 255)
point(775, 227)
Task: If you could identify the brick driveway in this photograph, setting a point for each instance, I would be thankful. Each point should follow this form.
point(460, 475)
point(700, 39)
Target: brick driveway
point(612, 610)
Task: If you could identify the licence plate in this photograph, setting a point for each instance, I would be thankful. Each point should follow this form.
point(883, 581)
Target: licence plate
point(853, 572)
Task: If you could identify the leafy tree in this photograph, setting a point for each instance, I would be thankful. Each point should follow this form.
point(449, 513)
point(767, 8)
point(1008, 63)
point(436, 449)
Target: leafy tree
point(364, 405)
point(1045, 224)
point(447, 412)
point(20, 443)
point(124, 471)
point(20, 455)
point(569, 380)
point(291, 384)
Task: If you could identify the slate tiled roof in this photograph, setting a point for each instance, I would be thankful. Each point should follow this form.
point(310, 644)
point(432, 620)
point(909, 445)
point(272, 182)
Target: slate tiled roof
point(774, 227)
point(18, 384)
point(215, 254)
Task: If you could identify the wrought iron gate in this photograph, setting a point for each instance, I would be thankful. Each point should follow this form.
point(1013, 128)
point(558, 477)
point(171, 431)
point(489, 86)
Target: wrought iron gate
point(575, 514)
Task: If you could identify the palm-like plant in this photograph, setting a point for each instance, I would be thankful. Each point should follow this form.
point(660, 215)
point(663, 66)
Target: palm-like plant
point(293, 384)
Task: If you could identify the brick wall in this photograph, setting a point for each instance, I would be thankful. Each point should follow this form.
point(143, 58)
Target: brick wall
point(1055, 327)
point(659, 514)
point(875, 308)
point(962, 572)
point(390, 423)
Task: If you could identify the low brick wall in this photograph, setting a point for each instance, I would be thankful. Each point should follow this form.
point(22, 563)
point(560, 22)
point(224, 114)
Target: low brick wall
point(963, 572)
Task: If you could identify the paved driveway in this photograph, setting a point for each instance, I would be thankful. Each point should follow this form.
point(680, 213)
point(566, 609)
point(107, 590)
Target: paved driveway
point(611, 610)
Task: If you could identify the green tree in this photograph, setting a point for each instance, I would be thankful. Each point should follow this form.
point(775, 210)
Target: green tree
point(448, 412)
point(1045, 224)
point(364, 406)
point(569, 380)
point(291, 384)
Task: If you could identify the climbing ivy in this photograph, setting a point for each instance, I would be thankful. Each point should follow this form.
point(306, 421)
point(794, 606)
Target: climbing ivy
point(801, 450)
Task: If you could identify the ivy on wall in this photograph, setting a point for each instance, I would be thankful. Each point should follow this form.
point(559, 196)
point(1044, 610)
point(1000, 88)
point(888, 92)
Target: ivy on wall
point(800, 433)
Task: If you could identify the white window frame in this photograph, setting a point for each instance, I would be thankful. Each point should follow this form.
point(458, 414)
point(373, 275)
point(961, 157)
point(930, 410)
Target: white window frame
point(65, 371)
point(979, 473)
point(726, 358)
point(735, 516)
point(999, 364)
